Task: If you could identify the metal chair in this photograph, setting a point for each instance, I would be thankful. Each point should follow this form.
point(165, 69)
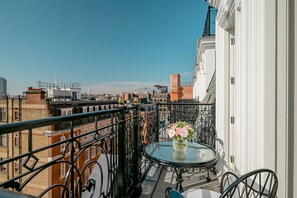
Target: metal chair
point(255, 184)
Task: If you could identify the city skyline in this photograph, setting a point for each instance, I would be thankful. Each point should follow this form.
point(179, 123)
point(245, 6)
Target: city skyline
point(107, 46)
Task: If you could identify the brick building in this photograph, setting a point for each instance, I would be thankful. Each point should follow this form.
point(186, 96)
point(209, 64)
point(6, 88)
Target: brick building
point(34, 105)
point(178, 90)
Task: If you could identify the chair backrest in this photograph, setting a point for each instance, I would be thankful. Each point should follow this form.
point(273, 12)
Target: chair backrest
point(258, 183)
point(175, 194)
point(227, 179)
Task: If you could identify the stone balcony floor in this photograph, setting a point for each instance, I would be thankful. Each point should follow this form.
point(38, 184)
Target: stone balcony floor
point(158, 180)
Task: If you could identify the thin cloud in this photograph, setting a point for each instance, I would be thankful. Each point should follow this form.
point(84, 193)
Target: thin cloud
point(119, 87)
point(187, 73)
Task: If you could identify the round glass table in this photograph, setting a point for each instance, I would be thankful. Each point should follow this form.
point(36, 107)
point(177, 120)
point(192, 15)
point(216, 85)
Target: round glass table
point(198, 156)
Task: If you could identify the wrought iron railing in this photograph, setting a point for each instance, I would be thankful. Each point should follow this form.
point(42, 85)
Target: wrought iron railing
point(90, 159)
point(210, 22)
point(200, 116)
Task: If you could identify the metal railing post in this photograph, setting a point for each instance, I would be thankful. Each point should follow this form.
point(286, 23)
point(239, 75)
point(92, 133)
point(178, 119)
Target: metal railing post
point(157, 123)
point(121, 153)
point(72, 153)
point(136, 155)
point(136, 136)
point(214, 113)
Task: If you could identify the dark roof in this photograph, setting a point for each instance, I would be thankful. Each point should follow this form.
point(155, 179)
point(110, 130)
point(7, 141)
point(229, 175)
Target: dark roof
point(83, 102)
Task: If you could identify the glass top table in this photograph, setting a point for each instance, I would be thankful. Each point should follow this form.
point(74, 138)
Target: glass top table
point(196, 155)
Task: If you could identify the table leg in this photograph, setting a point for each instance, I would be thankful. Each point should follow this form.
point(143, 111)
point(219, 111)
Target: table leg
point(179, 180)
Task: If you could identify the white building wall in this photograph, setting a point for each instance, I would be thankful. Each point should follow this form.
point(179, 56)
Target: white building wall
point(254, 88)
point(262, 98)
point(249, 139)
point(210, 63)
point(222, 95)
point(204, 66)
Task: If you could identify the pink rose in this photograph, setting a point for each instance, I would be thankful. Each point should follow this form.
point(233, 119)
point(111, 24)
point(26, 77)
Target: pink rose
point(171, 132)
point(184, 133)
point(178, 131)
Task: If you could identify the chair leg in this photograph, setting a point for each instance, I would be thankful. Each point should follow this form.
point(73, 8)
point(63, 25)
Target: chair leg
point(214, 171)
point(167, 192)
point(208, 178)
point(179, 180)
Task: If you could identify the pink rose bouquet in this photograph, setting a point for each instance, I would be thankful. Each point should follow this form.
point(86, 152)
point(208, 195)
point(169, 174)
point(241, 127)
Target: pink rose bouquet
point(180, 130)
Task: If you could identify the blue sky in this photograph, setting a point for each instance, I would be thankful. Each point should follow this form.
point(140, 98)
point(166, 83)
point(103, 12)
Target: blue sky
point(106, 45)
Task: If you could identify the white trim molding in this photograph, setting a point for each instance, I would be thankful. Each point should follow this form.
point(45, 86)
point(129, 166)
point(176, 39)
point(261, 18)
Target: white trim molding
point(225, 15)
point(204, 66)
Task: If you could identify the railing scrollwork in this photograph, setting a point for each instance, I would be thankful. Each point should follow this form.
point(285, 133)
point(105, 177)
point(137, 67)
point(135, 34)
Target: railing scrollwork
point(101, 156)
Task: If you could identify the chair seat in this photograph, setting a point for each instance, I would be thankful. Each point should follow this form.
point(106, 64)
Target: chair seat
point(194, 193)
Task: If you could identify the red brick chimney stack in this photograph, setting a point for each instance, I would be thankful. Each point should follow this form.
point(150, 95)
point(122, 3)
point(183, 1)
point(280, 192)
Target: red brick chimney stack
point(34, 95)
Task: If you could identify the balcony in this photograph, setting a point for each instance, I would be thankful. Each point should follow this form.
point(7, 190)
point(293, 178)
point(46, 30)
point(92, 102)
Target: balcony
point(98, 153)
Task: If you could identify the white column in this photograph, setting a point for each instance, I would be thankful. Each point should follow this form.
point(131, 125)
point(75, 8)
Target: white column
point(295, 99)
point(222, 93)
point(282, 99)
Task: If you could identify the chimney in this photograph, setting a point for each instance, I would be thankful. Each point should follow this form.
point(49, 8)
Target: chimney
point(34, 95)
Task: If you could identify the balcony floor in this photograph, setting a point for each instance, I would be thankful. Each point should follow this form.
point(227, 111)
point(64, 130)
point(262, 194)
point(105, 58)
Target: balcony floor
point(162, 179)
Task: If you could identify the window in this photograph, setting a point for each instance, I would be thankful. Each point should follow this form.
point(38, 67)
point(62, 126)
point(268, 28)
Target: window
point(16, 166)
point(74, 95)
point(3, 114)
point(93, 151)
point(87, 155)
point(16, 140)
point(3, 167)
point(63, 169)
point(62, 138)
point(3, 140)
point(66, 111)
point(87, 174)
point(85, 109)
point(16, 115)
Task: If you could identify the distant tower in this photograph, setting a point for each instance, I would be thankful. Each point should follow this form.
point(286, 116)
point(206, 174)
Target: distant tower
point(178, 90)
point(3, 86)
point(175, 88)
point(56, 83)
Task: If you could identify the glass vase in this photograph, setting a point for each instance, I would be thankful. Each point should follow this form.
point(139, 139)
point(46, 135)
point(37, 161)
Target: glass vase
point(179, 145)
point(179, 156)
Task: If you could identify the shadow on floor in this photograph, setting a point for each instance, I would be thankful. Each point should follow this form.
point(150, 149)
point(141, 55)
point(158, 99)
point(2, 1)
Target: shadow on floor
point(155, 188)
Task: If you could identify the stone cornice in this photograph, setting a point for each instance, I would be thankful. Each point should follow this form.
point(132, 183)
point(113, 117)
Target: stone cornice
point(225, 16)
point(205, 42)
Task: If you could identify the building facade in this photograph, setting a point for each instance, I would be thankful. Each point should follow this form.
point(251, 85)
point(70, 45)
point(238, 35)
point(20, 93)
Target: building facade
point(205, 64)
point(204, 67)
point(61, 91)
point(178, 90)
point(3, 87)
point(34, 105)
point(256, 92)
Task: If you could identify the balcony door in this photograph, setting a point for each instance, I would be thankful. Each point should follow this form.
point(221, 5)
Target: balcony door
point(232, 84)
